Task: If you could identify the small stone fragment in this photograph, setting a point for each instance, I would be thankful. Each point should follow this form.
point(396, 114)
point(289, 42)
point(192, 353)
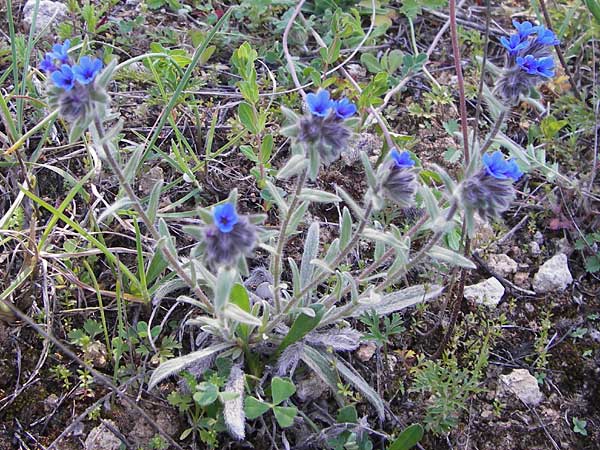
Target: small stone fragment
point(48, 12)
point(488, 292)
point(101, 438)
point(522, 384)
point(502, 264)
point(553, 275)
point(484, 233)
point(366, 351)
point(534, 248)
point(311, 388)
point(538, 237)
point(521, 279)
point(96, 353)
point(564, 246)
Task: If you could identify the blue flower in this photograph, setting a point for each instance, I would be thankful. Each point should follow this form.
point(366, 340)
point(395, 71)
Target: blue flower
point(545, 67)
point(225, 217)
point(546, 37)
point(320, 104)
point(402, 160)
point(524, 28)
point(497, 167)
point(344, 108)
point(47, 65)
point(514, 44)
point(63, 77)
point(528, 63)
point(60, 52)
point(87, 69)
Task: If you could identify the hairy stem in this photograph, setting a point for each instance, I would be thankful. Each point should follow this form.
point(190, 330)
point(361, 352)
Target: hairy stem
point(283, 239)
point(137, 205)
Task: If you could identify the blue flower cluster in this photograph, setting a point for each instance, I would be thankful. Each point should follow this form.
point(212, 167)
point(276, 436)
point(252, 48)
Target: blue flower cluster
point(397, 180)
point(321, 105)
point(529, 48)
point(530, 60)
point(64, 75)
point(490, 191)
point(229, 237)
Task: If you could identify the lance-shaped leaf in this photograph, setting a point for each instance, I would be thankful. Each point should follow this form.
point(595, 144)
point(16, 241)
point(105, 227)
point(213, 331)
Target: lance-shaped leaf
point(311, 251)
point(294, 166)
point(409, 437)
point(449, 256)
point(399, 300)
point(316, 195)
point(301, 327)
point(176, 365)
point(225, 279)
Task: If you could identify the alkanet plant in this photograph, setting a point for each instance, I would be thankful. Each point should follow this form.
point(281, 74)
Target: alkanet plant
point(303, 312)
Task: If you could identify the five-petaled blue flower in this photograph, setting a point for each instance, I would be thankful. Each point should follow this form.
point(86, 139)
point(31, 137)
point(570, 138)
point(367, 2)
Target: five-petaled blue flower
point(514, 44)
point(546, 37)
point(524, 28)
point(225, 217)
point(402, 160)
point(60, 52)
point(63, 77)
point(498, 167)
point(543, 67)
point(87, 69)
point(344, 108)
point(47, 64)
point(320, 104)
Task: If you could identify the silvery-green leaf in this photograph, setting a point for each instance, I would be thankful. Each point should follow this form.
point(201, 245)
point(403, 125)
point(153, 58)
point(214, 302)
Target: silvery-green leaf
point(429, 201)
point(314, 158)
point(166, 288)
point(269, 248)
point(347, 198)
point(311, 251)
point(345, 227)
point(323, 265)
point(294, 166)
point(316, 195)
point(361, 385)
point(333, 251)
point(399, 300)
point(290, 115)
point(383, 236)
point(117, 206)
point(176, 365)
point(321, 366)
point(297, 285)
point(449, 183)
point(154, 200)
point(103, 78)
point(225, 280)
point(190, 301)
point(201, 272)
point(166, 239)
point(234, 312)
point(369, 172)
point(205, 215)
point(449, 256)
point(233, 405)
point(276, 195)
point(296, 218)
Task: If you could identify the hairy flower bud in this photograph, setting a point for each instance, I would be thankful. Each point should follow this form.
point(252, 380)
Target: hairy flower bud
point(399, 181)
point(229, 237)
point(329, 135)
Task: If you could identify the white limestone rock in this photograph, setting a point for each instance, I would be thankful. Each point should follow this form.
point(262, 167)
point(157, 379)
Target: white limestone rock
point(553, 275)
point(522, 384)
point(489, 292)
point(49, 12)
point(502, 264)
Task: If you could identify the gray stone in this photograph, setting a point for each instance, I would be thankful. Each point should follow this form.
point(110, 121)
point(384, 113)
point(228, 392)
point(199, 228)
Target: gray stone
point(502, 264)
point(489, 292)
point(362, 142)
point(522, 384)
point(311, 388)
point(101, 438)
point(553, 275)
point(366, 351)
point(48, 12)
point(534, 248)
point(564, 246)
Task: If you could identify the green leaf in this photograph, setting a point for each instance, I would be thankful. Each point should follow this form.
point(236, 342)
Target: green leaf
point(285, 415)
point(592, 264)
point(207, 394)
point(225, 282)
point(408, 438)
point(451, 257)
point(254, 407)
point(266, 148)
point(347, 414)
point(248, 117)
point(302, 326)
point(371, 62)
point(281, 389)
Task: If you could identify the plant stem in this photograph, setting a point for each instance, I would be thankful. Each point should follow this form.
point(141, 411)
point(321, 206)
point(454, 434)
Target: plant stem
point(460, 81)
point(173, 262)
point(494, 131)
point(283, 239)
